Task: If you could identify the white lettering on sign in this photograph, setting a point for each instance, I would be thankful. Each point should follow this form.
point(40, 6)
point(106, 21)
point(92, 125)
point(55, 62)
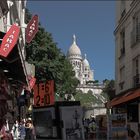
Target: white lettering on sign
point(9, 41)
point(32, 28)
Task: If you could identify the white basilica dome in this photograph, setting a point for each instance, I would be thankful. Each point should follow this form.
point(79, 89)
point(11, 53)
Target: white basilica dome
point(74, 49)
point(85, 62)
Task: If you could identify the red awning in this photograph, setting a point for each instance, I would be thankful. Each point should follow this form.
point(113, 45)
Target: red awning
point(131, 95)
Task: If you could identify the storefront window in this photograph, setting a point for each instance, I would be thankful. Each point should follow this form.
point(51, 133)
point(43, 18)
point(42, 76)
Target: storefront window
point(132, 114)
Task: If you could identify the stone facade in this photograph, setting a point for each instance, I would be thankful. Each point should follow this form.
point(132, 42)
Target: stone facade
point(127, 37)
point(127, 59)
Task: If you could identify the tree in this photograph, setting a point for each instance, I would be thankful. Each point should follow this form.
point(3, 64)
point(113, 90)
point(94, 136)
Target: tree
point(87, 99)
point(109, 89)
point(50, 63)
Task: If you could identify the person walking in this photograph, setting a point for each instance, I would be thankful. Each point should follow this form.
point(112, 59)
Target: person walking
point(30, 130)
point(22, 132)
point(138, 136)
point(15, 130)
point(131, 133)
point(4, 132)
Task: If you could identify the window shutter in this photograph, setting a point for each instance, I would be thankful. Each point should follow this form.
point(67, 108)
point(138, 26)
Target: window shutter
point(1, 12)
point(3, 8)
point(138, 34)
point(133, 37)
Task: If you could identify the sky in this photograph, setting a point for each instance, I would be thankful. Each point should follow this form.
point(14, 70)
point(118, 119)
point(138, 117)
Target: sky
point(93, 23)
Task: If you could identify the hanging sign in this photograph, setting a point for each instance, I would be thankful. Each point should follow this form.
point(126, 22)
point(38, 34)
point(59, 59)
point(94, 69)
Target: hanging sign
point(32, 82)
point(9, 40)
point(32, 29)
point(44, 94)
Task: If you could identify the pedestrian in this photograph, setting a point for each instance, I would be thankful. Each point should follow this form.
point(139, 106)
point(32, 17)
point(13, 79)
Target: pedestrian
point(4, 132)
point(15, 130)
point(138, 136)
point(30, 130)
point(22, 132)
point(86, 127)
point(139, 129)
point(131, 133)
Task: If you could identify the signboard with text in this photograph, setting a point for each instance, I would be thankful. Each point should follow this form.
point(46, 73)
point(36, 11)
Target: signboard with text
point(118, 128)
point(9, 40)
point(32, 28)
point(44, 94)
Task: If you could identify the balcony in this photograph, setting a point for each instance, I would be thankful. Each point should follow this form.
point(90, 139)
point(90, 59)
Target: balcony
point(136, 81)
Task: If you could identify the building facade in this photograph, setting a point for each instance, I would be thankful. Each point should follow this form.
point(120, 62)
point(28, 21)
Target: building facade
point(14, 70)
point(127, 61)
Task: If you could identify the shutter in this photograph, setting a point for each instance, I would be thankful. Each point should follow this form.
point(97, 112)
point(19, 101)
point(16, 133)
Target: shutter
point(132, 37)
point(3, 8)
point(138, 34)
point(1, 14)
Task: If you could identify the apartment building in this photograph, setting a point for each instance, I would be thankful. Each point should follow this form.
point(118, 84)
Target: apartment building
point(127, 61)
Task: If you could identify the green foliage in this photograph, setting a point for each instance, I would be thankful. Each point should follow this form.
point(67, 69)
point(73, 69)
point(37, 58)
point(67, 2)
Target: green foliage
point(87, 99)
point(50, 62)
point(90, 92)
point(96, 81)
point(92, 82)
point(109, 90)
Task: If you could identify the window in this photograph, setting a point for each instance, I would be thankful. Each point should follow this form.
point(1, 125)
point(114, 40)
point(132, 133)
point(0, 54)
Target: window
point(136, 76)
point(132, 113)
point(122, 42)
point(137, 24)
point(73, 63)
point(122, 73)
point(122, 77)
point(136, 66)
point(3, 8)
point(135, 34)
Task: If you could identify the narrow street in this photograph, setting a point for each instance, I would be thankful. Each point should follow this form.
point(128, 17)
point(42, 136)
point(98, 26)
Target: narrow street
point(69, 70)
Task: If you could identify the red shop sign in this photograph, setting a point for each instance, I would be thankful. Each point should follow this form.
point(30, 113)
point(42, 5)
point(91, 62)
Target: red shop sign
point(44, 94)
point(32, 29)
point(9, 40)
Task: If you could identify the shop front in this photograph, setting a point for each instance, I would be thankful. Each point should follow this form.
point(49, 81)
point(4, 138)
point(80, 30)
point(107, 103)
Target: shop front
point(129, 104)
point(13, 79)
